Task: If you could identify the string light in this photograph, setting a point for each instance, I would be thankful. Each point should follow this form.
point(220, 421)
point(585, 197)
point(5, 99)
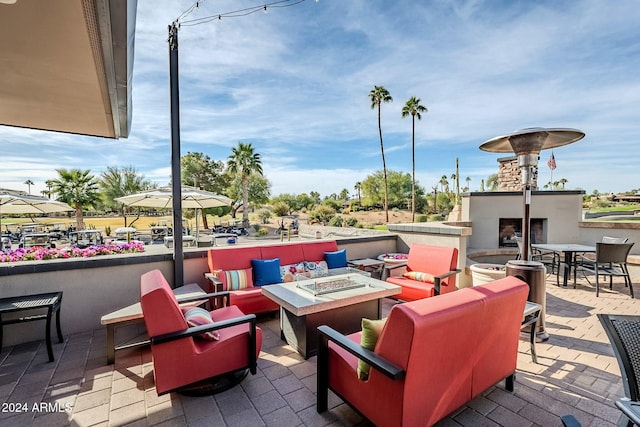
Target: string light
point(233, 14)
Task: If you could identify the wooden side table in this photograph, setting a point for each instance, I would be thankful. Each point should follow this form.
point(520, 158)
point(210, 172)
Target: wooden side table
point(49, 301)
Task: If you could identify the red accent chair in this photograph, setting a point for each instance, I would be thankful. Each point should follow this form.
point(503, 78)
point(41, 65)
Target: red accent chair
point(441, 262)
point(179, 357)
point(432, 355)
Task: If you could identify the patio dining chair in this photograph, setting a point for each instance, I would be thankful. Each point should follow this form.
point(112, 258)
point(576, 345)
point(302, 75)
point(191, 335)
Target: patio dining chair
point(611, 261)
point(624, 333)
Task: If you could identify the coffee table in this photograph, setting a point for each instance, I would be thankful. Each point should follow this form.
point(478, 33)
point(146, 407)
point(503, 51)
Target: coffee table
point(307, 304)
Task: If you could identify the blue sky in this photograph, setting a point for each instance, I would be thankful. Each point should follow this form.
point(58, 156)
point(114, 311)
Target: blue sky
point(295, 81)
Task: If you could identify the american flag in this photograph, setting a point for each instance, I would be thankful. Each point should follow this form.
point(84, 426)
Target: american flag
point(551, 162)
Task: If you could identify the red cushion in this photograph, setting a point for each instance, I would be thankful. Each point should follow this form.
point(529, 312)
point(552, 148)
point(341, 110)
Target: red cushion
point(252, 301)
point(315, 251)
point(237, 258)
point(434, 260)
point(412, 290)
point(288, 253)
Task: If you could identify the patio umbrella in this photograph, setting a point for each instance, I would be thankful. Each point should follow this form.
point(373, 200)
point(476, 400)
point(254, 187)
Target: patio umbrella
point(19, 202)
point(162, 198)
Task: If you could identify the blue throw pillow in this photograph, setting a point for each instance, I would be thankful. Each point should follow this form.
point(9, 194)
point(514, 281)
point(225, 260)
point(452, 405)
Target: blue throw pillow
point(337, 259)
point(266, 271)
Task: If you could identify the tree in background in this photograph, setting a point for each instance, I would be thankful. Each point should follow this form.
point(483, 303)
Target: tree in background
point(48, 191)
point(399, 194)
point(344, 195)
point(29, 183)
point(413, 108)
point(378, 95)
point(258, 191)
point(244, 162)
point(358, 188)
point(115, 182)
point(492, 182)
point(285, 199)
point(79, 189)
point(200, 171)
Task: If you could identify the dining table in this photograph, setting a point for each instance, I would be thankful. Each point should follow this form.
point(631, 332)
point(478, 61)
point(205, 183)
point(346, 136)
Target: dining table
point(568, 251)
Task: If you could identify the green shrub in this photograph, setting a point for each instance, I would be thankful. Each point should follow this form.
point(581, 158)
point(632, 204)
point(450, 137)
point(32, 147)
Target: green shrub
point(281, 209)
point(435, 217)
point(264, 215)
point(351, 221)
point(421, 218)
point(262, 232)
point(107, 230)
point(322, 214)
point(256, 227)
point(335, 221)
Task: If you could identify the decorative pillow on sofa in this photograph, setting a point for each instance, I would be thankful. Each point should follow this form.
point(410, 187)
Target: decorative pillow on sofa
point(337, 259)
point(420, 277)
point(316, 268)
point(288, 272)
point(197, 316)
point(233, 280)
point(266, 271)
point(371, 330)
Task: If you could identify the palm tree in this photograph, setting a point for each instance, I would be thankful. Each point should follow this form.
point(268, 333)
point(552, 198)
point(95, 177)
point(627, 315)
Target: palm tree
point(468, 179)
point(378, 95)
point(78, 188)
point(562, 182)
point(444, 183)
point(492, 182)
point(413, 108)
point(244, 161)
point(49, 184)
point(358, 188)
point(29, 183)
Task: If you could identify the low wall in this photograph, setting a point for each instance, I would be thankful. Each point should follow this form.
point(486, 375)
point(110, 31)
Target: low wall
point(96, 286)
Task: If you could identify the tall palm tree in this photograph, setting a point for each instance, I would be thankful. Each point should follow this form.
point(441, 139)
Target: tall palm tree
point(244, 162)
point(358, 188)
point(78, 188)
point(413, 108)
point(29, 183)
point(378, 95)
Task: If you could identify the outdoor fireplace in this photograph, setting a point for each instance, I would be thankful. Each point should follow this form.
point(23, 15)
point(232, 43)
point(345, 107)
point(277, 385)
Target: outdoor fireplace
point(509, 228)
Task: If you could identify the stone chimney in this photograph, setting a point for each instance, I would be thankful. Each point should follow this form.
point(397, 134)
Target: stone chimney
point(509, 175)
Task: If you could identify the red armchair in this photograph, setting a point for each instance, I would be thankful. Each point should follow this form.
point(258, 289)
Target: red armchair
point(180, 356)
point(432, 355)
point(430, 270)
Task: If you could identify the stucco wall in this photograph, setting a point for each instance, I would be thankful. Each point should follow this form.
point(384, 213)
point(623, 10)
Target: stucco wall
point(562, 209)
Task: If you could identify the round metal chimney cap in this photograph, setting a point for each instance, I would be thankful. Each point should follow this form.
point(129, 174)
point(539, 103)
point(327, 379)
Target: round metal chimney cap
point(532, 140)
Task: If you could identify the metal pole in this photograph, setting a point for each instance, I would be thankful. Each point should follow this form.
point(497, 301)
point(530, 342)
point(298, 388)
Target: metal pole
point(525, 222)
point(176, 182)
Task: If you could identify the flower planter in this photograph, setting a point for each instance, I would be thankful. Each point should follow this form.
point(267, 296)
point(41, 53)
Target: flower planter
point(483, 273)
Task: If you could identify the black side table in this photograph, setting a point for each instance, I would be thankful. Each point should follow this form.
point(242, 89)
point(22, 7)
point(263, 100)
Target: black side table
point(51, 301)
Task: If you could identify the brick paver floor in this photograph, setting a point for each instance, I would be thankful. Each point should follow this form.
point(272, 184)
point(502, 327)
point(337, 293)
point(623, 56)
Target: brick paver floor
point(577, 374)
